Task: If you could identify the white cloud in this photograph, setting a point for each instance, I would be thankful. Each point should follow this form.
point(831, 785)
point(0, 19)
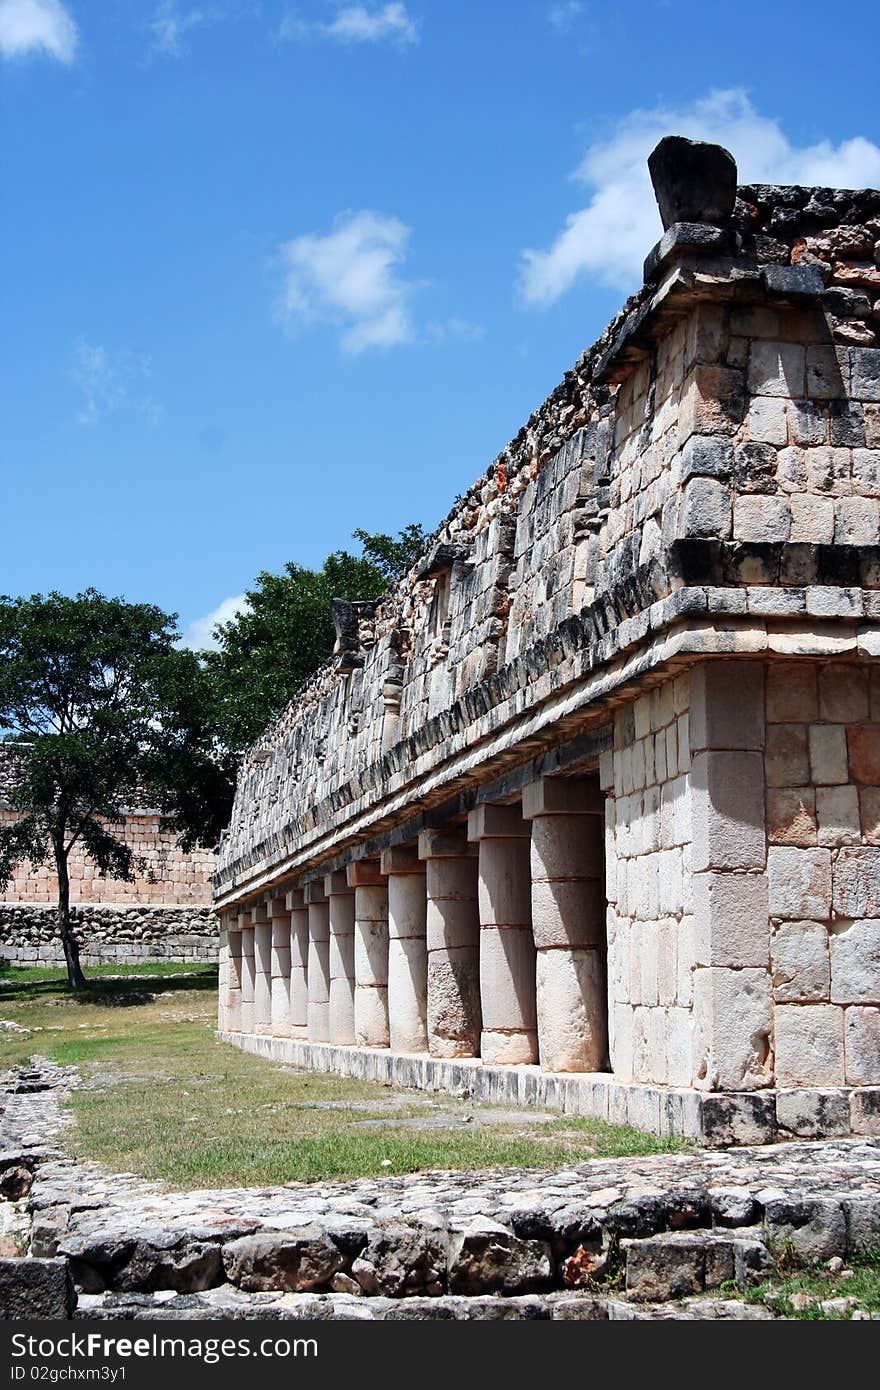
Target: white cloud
point(443, 330)
point(37, 26)
point(563, 15)
point(109, 384)
point(350, 278)
point(200, 634)
point(609, 238)
point(357, 24)
point(169, 26)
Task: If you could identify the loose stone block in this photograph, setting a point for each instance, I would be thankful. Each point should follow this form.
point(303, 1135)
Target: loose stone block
point(572, 1028)
point(777, 369)
point(857, 881)
point(791, 816)
point(843, 693)
point(865, 1110)
point(812, 520)
point(41, 1290)
point(786, 756)
point(792, 695)
point(837, 813)
point(728, 811)
point(855, 962)
point(727, 705)
point(814, 1228)
point(828, 755)
point(864, 755)
point(761, 519)
point(811, 1114)
point(862, 1045)
point(730, 919)
point(705, 508)
point(800, 883)
point(800, 962)
point(732, 1028)
point(809, 1045)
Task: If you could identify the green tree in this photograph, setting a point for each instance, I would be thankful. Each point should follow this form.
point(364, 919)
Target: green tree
point(284, 634)
point(103, 706)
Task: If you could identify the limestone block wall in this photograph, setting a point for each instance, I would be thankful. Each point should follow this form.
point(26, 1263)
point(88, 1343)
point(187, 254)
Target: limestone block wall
point(743, 872)
point(648, 847)
point(822, 762)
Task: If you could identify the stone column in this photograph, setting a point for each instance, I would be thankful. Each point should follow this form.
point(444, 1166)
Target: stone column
point(280, 967)
point(341, 958)
point(262, 969)
point(370, 953)
point(299, 962)
point(319, 962)
point(407, 949)
point(453, 942)
point(233, 977)
point(507, 947)
point(568, 921)
point(222, 973)
point(247, 972)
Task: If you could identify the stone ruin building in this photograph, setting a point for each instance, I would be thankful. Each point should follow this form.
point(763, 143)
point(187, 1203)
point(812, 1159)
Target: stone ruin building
point(586, 811)
point(165, 914)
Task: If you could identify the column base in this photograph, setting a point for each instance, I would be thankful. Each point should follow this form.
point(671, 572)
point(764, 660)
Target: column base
point(509, 1049)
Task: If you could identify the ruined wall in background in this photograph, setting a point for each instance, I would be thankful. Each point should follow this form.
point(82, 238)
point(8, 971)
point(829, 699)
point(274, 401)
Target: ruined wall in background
point(164, 914)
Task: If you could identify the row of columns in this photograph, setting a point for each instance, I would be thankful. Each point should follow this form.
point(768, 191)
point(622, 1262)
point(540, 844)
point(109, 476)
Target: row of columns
point(485, 939)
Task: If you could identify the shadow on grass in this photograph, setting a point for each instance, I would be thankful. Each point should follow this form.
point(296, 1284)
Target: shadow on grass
point(126, 991)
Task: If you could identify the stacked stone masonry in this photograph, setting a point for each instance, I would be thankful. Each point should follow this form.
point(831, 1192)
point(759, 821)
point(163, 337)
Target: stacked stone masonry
point(165, 913)
point(586, 811)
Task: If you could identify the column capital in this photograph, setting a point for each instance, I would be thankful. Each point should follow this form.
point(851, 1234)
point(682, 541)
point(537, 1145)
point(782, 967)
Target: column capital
point(259, 914)
point(365, 873)
point(450, 842)
point(337, 882)
point(294, 898)
point(493, 822)
point(277, 906)
point(401, 859)
point(563, 796)
point(244, 921)
point(314, 892)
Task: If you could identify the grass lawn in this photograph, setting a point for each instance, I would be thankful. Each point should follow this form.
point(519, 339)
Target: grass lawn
point(800, 1293)
point(164, 1099)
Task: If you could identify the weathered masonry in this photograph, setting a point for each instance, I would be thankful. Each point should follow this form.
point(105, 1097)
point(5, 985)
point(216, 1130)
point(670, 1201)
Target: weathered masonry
point(586, 811)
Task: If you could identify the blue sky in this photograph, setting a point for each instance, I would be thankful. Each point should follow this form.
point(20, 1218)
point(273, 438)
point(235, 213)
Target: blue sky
point(274, 271)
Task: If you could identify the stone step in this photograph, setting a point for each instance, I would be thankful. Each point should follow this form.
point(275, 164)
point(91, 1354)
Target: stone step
point(230, 1303)
point(678, 1264)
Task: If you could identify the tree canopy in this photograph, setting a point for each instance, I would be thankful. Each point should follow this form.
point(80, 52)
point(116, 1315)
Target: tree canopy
point(285, 632)
point(104, 707)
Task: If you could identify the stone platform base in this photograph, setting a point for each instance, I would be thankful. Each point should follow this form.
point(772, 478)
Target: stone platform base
point(715, 1120)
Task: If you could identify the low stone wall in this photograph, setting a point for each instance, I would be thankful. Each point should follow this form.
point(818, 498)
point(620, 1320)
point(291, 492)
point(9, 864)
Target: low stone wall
point(109, 934)
point(672, 1235)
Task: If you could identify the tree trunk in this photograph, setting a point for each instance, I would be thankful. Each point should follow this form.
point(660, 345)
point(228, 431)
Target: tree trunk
point(75, 978)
